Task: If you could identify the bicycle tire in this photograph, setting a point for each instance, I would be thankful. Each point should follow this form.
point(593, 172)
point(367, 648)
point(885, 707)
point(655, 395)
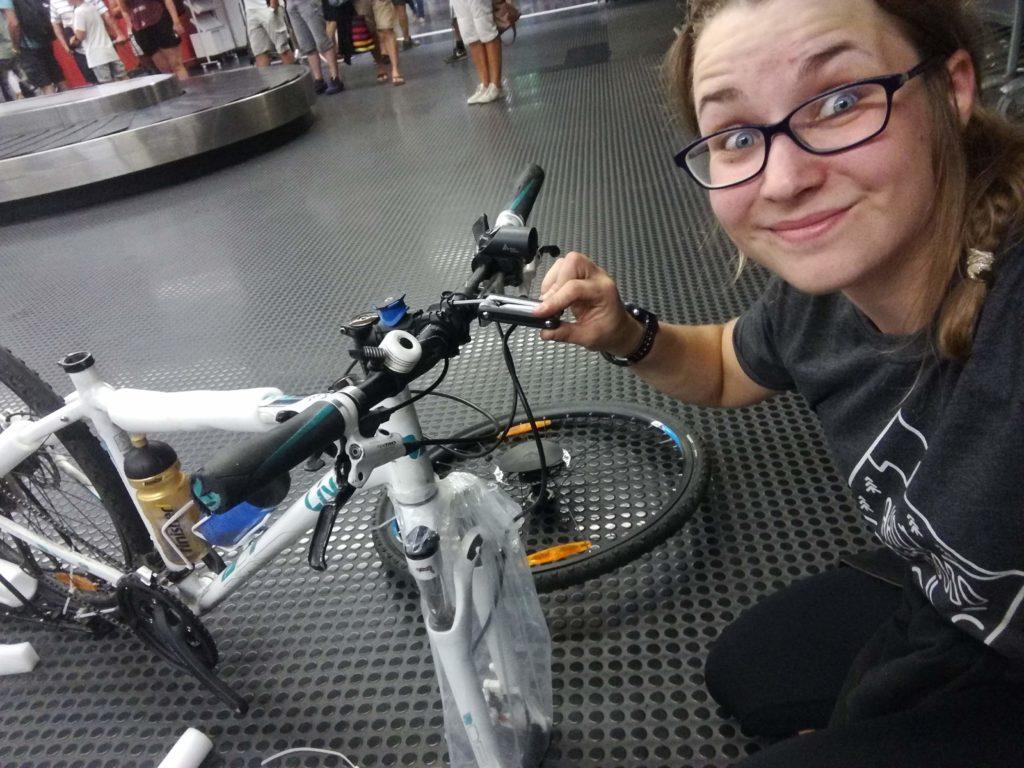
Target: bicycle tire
point(112, 515)
point(678, 504)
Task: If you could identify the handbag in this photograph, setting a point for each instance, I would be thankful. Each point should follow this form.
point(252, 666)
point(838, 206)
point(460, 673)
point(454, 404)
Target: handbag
point(505, 16)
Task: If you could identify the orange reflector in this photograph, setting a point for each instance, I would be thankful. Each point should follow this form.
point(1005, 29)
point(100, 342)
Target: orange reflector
point(522, 429)
point(76, 581)
point(560, 552)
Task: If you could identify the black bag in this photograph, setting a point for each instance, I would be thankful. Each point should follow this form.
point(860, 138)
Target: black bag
point(34, 18)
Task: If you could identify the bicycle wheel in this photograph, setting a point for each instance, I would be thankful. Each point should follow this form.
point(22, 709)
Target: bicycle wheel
point(621, 480)
point(68, 491)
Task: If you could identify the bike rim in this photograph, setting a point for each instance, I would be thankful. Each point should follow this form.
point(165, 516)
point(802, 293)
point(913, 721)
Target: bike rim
point(622, 472)
point(50, 494)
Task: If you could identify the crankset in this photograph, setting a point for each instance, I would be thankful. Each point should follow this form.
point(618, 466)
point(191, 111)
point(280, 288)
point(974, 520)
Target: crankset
point(168, 627)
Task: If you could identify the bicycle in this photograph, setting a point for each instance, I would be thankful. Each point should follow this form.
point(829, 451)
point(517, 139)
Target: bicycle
point(71, 517)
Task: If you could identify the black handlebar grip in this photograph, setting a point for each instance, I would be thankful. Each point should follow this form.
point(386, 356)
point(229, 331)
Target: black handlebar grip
point(527, 188)
point(239, 471)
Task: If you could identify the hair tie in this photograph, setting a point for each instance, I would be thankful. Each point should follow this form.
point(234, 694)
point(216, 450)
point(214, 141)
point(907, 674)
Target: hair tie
point(979, 264)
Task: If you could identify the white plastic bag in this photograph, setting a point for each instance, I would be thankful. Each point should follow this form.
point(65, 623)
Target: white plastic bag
point(502, 626)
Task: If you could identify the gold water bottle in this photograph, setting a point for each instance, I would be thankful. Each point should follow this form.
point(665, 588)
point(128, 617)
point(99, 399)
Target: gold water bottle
point(162, 489)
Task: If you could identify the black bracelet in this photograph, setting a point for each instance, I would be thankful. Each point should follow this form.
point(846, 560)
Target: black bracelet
point(650, 322)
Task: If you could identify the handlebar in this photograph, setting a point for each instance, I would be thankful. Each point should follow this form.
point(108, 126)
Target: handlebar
point(527, 188)
point(242, 471)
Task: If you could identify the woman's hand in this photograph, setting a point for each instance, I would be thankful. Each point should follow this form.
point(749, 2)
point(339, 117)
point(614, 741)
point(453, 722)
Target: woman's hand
point(179, 28)
point(602, 322)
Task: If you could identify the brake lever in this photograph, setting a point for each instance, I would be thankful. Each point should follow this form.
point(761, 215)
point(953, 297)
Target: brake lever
point(512, 310)
point(321, 538)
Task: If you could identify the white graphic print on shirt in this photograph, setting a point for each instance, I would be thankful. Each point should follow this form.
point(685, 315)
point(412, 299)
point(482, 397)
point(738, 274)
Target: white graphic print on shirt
point(882, 480)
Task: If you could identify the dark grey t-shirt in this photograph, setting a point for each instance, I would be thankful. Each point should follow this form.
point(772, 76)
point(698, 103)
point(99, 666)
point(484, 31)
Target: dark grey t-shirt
point(933, 451)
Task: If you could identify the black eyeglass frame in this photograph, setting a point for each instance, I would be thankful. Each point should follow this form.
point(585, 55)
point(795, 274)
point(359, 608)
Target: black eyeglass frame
point(891, 83)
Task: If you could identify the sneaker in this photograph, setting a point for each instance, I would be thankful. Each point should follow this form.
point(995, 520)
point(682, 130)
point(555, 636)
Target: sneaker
point(478, 95)
point(491, 93)
point(457, 55)
point(336, 86)
point(319, 86)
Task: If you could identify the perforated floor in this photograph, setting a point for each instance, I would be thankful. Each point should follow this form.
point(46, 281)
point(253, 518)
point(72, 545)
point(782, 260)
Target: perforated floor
point(242, 277)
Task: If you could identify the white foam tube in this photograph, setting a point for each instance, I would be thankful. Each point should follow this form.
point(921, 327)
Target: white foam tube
point(22, 582)
point(17, 658)
point(189, 751)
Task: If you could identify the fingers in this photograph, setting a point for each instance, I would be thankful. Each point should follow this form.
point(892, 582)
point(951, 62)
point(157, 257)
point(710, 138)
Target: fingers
point(572, 294)
point(570, 266)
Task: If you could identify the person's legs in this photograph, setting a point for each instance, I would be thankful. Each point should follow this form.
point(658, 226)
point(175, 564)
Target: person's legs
point(344, 22)
point(37, 69)
point(307, 41)
point(478, 16)
point(102, 73)
point(260, 43)
point(459, 48)
point(403, 23)
point(479, 56)
point(169, 60)
point(384, 18)
point(493, 50)
point(780, 666)
point(83, 66)
point(979, 727)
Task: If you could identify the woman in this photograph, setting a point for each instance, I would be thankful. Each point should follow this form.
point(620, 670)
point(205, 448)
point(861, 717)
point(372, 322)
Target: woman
point(476, 25)
point(157, 28)
point(845, 150)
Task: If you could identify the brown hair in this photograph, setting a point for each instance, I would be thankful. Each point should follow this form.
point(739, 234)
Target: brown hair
point(979, 168)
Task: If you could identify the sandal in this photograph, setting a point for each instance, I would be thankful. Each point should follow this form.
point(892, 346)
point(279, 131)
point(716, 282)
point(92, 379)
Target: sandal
point(398, 80)
point(382, 77)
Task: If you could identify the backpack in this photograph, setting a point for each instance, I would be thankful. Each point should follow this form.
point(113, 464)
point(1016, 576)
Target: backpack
point(34, 18)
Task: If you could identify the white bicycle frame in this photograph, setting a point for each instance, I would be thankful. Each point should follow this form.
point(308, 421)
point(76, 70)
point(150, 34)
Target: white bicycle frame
point(410, 481)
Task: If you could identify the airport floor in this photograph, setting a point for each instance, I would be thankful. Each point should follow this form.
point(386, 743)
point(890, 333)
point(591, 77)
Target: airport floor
point(242, 277)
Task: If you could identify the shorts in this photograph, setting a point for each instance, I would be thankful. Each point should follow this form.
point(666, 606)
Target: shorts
point(476, 20)
point(112, 70)
point(379, 14)
point(307, 18)
point(336, 12)
point(40, 66)
point(267, 31)
point(158, 37)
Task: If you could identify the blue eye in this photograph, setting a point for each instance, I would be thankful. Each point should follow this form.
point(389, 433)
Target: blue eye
point(838, 103)
point(741, 140)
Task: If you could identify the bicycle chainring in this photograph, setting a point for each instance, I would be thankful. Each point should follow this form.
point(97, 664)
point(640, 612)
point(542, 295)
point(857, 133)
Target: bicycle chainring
point(152, 612)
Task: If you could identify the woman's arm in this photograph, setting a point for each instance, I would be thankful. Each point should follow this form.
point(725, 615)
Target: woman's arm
point(179, 28)
point(693, 363)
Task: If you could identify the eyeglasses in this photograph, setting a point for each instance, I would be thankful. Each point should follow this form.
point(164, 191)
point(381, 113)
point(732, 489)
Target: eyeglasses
point(837, 120)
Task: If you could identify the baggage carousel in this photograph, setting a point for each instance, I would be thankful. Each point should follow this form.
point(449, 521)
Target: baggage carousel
point(52, 144)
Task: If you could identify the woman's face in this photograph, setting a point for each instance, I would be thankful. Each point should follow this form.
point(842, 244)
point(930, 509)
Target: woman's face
point(823, 223)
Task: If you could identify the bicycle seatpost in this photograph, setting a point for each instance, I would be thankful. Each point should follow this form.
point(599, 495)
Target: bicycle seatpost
point(527, 188)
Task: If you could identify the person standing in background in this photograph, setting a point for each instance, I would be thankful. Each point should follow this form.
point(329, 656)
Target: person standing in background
point(156, 27)
point(338, 15)
point(307, 18)
point(476, 23)
point(100, 55)
point(380, 19)
point(10, 35)
point(417, 9)
point(267, 31)
point(62, 14)
point(35, 48)
point(403, 23)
